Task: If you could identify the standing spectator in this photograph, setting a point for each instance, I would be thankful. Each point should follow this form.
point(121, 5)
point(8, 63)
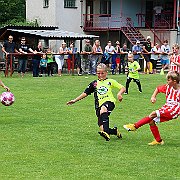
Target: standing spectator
point(63, 50)
point(137, 51)
point(97, 52)
point(109, 52)
point(43, 65)
point(147, 46)
point(118, 59)
point(155, 51)
point(86, 56)
point(50, 62)
point(23, 49)
point(124, 58)
point(9, 47)
point(165, 49)
point(175, 59)
point(71, 57)
point(36, 59)
point(133, 68)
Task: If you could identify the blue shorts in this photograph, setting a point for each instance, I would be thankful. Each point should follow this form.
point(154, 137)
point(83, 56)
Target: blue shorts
point(165, 61)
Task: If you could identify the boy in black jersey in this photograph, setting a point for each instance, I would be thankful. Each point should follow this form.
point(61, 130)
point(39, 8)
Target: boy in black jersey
point(104, 100)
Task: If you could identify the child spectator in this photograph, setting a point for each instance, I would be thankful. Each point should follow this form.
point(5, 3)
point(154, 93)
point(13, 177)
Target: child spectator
point(133, 74)
point(170, 110)
point(50, 62)
point(175, 59)
point(104, 100)
point(165, 49)
point(43, 65)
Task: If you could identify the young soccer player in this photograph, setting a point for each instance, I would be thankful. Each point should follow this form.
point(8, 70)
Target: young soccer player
point(175, 59)
point(170, 110)
point(104, 100)
point(133, 74)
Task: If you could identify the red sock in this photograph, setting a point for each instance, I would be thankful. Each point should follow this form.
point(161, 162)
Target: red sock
point(143, 121)
point(155, 132)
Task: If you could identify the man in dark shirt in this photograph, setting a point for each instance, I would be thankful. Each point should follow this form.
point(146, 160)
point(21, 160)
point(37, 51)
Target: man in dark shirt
point(23, 49)
point(147, 52)
point(9, 47)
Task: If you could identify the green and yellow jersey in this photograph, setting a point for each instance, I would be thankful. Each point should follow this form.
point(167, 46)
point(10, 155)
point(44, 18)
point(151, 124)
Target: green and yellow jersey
point(102, 90)
point(133, 66)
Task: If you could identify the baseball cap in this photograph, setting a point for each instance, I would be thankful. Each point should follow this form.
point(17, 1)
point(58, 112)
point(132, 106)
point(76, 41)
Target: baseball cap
point(148, 37)
point(87, 40)
point(137, 42)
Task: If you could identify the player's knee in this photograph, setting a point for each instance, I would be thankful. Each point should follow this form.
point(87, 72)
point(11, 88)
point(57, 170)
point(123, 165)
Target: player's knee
point(153, 115)
point(103, 110)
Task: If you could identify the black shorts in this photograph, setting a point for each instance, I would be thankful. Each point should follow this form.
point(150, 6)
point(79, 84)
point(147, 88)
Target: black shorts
point(109, 105)
point(147, 57)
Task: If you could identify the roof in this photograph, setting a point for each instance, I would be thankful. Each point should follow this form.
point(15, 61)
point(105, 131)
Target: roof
point(54, 34)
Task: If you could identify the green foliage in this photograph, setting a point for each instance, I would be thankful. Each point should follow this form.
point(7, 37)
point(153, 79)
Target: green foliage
point(43, 138)
point(12, 11)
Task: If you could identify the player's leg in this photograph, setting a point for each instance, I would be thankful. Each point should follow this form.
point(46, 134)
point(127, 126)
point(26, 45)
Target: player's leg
point(137, 81)
point(127, 84)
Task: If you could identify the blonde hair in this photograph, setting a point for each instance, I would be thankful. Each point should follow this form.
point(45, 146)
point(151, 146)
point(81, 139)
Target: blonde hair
point(174, 75)
point(102, 66)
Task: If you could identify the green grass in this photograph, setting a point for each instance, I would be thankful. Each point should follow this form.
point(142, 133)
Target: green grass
point(42, 138)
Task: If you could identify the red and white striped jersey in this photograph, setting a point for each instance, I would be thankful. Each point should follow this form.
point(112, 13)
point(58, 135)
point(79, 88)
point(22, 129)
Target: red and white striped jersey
point(174, 67)
point(172, 95)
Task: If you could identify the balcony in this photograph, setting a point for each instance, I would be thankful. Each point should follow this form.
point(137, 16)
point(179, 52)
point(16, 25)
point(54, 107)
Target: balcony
point(103, 22)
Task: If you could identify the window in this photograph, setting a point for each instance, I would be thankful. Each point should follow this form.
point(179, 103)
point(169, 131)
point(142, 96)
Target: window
point(70, 3)
point(105, 7)
point(45, 3)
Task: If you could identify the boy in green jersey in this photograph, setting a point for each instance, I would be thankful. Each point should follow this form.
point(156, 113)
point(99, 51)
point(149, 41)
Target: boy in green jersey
point(104, 100)
point(133, 74)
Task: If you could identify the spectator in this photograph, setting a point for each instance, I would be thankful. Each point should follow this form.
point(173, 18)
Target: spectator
point(43, 65)
point(118, 54)
point(123, 57)
point(36, 59)
point(9, 47)
point(155, 51)
point(97, 52)
point(147, 46)
point(86, 55)
point(23, 49)
point(137, 50)
point(63, 50)
point(165, 49)
point(50, 62)
point(109, 52)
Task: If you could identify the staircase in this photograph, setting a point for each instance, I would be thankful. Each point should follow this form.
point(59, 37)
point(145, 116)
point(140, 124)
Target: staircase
point(132, 34)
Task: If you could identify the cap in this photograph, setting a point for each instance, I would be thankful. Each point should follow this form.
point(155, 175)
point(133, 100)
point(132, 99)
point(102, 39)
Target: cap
point(148, 37)
point(63, 43)
point(117, 42)
point(137, 42)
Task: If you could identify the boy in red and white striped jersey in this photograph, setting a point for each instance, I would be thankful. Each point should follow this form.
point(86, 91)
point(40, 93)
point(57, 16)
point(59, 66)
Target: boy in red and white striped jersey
point(170, 110)
point(175, 59)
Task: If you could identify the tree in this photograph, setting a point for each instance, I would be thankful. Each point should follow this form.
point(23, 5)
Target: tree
point(12, 11)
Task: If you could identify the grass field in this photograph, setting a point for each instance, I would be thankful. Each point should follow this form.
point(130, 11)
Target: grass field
point(43, 138)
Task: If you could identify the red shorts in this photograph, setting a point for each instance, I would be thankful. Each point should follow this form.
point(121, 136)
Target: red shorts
point(167, 112)
point(118, 60)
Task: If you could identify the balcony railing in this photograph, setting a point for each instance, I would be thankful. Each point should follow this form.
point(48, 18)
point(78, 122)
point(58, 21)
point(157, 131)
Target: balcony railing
point(103, 22)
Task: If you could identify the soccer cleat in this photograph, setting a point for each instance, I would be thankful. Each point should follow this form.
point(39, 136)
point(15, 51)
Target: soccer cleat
point(153, 143)
point(125, 93)
point(130, 127)
point(118, 134)
point(104, 135)
point(162, 72)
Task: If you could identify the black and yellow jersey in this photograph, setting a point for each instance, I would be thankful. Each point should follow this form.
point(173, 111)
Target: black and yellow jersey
point(102, 90)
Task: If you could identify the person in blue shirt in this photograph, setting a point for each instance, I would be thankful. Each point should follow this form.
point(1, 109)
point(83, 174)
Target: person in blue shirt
point(137, 50)
point(43, 65)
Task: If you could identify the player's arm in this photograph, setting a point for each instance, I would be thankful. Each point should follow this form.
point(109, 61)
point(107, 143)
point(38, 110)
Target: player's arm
point(83, 95)
point(159, 89)
point(120, 93)
point(5, 87)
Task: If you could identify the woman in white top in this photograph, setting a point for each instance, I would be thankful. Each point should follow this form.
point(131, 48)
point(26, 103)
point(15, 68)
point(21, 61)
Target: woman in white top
point(63, 50)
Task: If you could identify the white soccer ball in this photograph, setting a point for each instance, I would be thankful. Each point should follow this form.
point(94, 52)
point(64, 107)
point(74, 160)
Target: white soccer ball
point(7, 98)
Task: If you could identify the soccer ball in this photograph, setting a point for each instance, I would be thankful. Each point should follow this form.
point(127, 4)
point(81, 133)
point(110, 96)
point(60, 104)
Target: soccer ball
point(7, 98)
